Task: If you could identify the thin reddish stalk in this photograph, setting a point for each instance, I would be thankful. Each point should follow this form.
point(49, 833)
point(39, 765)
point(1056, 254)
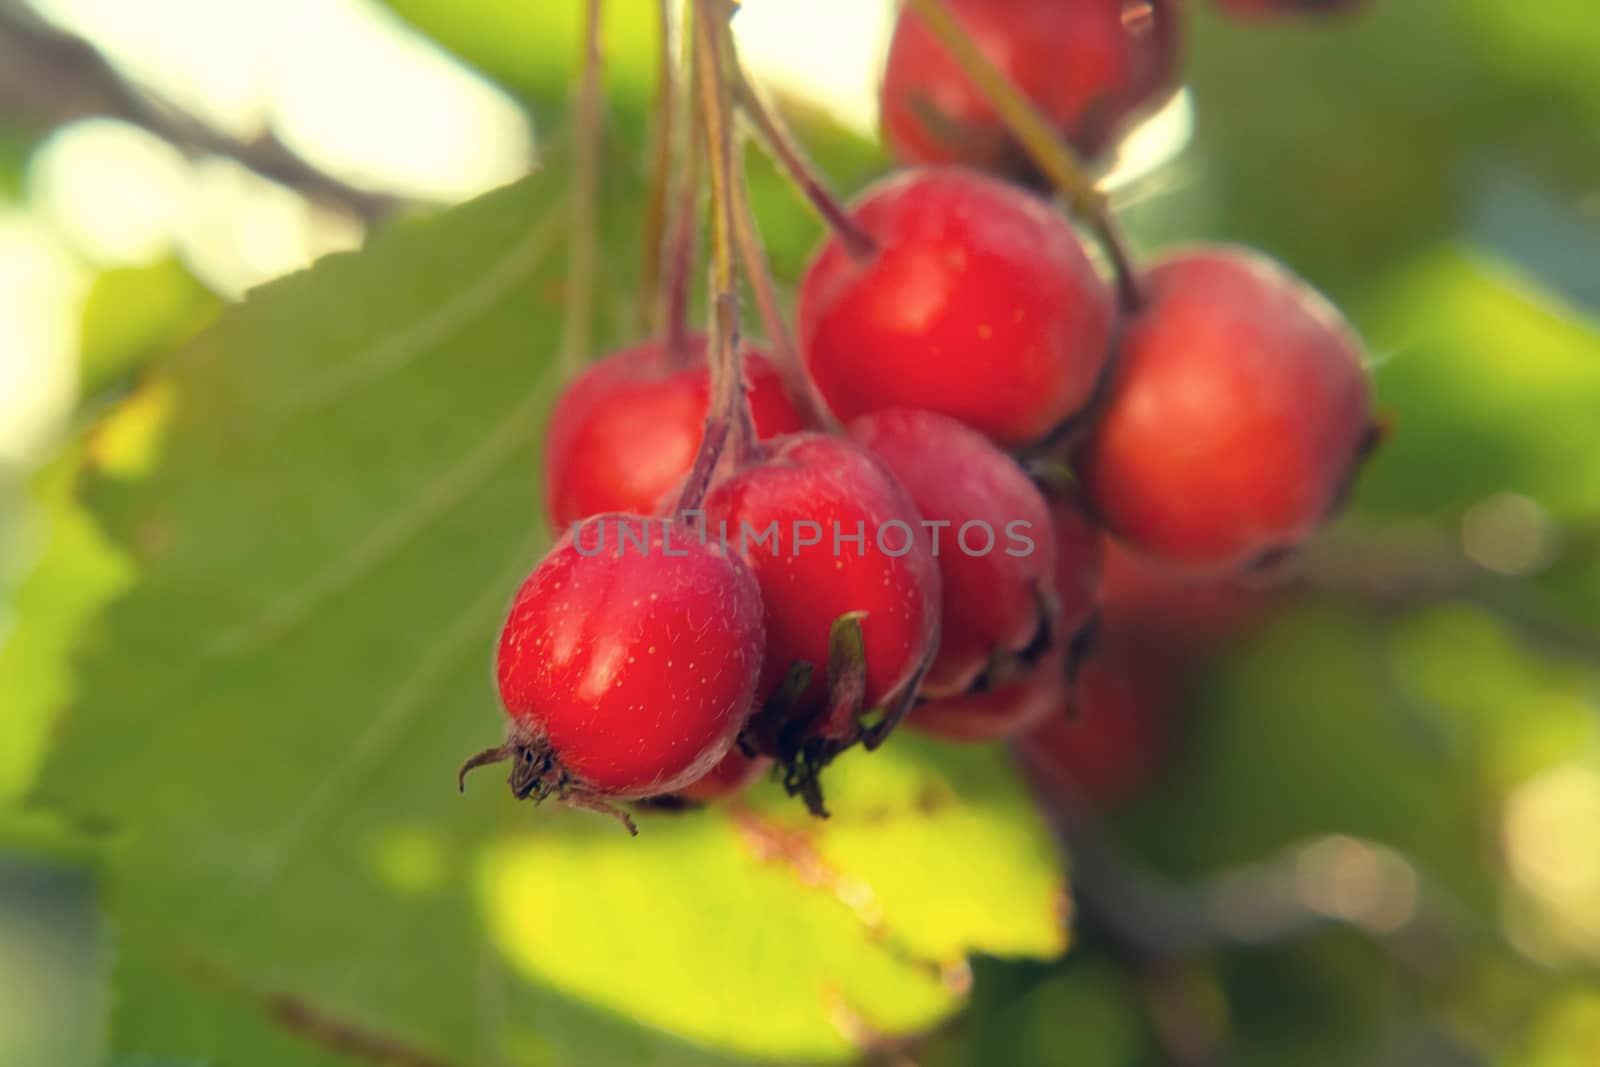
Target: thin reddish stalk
point(1040, 139)
point(786, 151)
point(758, 269)
point(729, 418)
point(683, 242)
point(582, 253)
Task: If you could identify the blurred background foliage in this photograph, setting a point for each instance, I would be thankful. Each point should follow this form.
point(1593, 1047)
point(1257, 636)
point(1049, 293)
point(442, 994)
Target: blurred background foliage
point(251, 555)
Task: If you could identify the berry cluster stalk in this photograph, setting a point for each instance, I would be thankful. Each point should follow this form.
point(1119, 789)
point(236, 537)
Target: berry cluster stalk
point(753, 257)
point(683, 229)
point(665, 129)
point(783, 148)
point(729, 417)
point(581, 254)
point(1041, 141)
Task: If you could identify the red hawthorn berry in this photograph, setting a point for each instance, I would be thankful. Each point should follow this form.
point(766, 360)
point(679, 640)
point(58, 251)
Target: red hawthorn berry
point(1038, 691)
point(978, 302)
point(628, 663)
point(1112, 741)
point(993, 540)
point(1089, 65)
point(829, 533)
point(626, 430)
point(734, 773)
point(1236, 416)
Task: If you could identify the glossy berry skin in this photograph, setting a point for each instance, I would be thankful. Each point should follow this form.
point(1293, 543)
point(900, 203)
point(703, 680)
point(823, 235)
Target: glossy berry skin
point(625, 431)
point(839, 486)
point(1235, 418)
point(1089, 66)
point(733, 774)
point(632, 670)
point(995, 543)
point(978, 302)
point(1007, 709)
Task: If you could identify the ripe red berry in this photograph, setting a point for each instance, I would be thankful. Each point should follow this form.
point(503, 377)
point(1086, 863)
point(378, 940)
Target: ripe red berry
point(978, 302)
point(1037, 692)
point(992, 538)
point(625, 431)
point(829, 532)
point(628, 663)
point(1088, 65)
point(733, 774)
point(1236, 416)
point(1116, 735)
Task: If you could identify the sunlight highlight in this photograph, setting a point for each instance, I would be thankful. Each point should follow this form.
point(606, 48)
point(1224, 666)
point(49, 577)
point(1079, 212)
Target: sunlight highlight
point(41, 293)
point(115, 191)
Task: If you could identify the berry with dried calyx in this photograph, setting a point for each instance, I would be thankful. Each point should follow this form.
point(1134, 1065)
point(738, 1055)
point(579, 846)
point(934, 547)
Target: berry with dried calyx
point(628, 663)
point(993, 538)
point(850, 592)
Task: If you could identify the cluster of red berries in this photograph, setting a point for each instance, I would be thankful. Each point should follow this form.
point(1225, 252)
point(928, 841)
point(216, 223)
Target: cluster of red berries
point(928, 546)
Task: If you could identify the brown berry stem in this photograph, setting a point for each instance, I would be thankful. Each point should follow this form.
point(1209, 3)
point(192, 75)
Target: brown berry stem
point(758, 269)
point(683, 233)
point(582, 250)
point(664, 130)
point(729, 418)
point(786, 151)
point(1040, 140)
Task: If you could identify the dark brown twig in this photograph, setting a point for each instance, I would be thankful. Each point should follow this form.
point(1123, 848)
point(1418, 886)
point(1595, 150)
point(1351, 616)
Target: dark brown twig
point(48, 77)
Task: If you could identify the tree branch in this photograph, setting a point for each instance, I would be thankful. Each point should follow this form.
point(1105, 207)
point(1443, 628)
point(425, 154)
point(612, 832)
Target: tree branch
point(49, 77)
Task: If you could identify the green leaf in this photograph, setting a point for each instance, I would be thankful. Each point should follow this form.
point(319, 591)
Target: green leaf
point(1467, 351)
point(533, 49)
point(1273, 760)
point(329, 498)
point(80, 571)
point(134, 314)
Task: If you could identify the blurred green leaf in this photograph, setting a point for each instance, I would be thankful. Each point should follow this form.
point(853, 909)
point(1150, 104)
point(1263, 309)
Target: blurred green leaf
point(1494, 386)
point(80, 571)
point(16, 142)
point(533, 49)
point(329, 498)
point(1301, 733)
point(1520, 709)
point(1536, 68)
point(1565, 1034)
point(1332, 143)
point(1086, 1015)
point(134, 314)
